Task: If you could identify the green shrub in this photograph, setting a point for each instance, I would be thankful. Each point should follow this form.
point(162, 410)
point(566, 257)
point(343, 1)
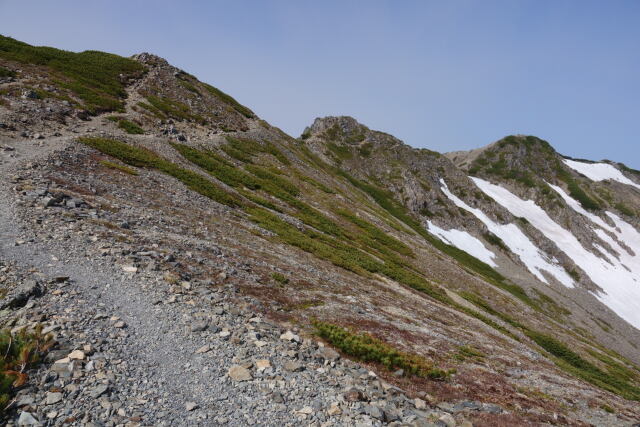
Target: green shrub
point(278, 181)
point(575, 190)
point(376, 236)
point(116, 166)
point(368, 349)
point(624, 209)
point(575, 364)
point(19, 353)
point(341, 152)
point(467, 352)
point(5, 72)
point(166, 107)
point(130, 127)
point(280, 278)
point(141, 157)
point(222, 170)
point(227, 99)
point(94, 77)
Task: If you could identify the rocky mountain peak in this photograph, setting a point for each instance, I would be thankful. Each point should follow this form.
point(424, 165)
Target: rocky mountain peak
point(150, 59)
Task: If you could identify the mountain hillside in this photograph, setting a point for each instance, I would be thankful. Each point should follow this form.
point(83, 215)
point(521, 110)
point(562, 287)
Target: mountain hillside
point(172, 258)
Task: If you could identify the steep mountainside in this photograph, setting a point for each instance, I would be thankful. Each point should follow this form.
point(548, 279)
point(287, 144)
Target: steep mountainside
point(494, 287)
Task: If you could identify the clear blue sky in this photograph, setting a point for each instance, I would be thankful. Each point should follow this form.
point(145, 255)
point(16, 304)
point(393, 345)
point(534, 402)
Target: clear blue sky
point(445, 75)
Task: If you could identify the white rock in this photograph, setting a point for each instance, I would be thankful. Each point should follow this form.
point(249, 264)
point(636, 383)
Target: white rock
point(76, 355)
point(290, 336)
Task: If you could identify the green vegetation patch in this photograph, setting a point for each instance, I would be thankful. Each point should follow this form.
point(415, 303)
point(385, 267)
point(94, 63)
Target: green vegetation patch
point(97, 78)
point(340, 151)
point(376, 237)
point(467, 352)
point(227, 99)
point(121, 168)
point(19, 353)
point(130, 127)
point(222, 170)
point(576, 365)
point(343, 254)
point(575, 191)
point(280, 278)
point(169, 108)
point(244, 149)
point(141, 157)
point(366, 348)
point(5, 72)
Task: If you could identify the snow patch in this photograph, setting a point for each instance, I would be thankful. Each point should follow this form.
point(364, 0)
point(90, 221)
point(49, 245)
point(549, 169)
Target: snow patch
point(599, 172)
point(465, 241)
point(618, 274)
point(535, 260)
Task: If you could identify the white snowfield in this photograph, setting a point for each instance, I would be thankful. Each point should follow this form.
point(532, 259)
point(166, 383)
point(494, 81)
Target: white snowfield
point(599, 172)
point(615, 270)
point(535, 260)
point(465, 241)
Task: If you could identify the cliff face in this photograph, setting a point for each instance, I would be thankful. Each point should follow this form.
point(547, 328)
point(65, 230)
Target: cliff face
point(507, 275)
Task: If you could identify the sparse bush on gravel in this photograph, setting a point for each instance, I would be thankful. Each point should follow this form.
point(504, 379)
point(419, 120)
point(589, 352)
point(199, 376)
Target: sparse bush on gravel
point(97, 78)
point(142, 157)
point(18, 353)
point(366, 348)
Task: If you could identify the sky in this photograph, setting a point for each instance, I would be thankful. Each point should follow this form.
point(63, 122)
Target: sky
point(443, 75)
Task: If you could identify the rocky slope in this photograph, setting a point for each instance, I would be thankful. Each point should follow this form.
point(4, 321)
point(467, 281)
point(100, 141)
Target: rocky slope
point(197, 265)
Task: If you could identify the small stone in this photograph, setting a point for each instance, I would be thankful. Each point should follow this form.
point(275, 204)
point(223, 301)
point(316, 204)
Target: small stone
point(292, 366)
point(374, 412)
point(53, 398)
point(239, 373)
point(327, 353)
point(419, 403)
point(199, 326)
point(353, 395)
point(27, 419)
point(399, 373)
point(290, 336)
point(99, 391)
point(203, 349)
point(119, 324)
point(448, 420)
point(277, 397)
point(262, 364)
point(130, 269)
point(307, 410)
point(465, 423)
point(334, 409)
point(190, 406)
point(76, 355)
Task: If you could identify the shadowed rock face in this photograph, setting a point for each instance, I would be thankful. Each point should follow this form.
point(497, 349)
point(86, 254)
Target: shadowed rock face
point(208, 213)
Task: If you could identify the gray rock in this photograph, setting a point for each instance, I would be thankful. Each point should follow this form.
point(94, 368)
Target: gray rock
point(374, 412)
point(99, 391)
point(199, 326)
point(53, 398)
point(327, 353)
point(27, 419)
point(21, 294)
